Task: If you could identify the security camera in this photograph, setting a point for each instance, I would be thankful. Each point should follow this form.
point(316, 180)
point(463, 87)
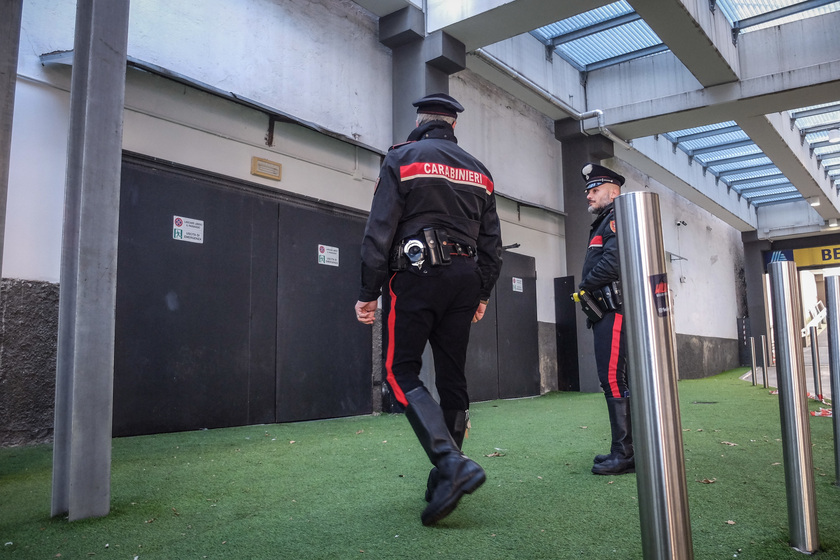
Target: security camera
point(682, 223)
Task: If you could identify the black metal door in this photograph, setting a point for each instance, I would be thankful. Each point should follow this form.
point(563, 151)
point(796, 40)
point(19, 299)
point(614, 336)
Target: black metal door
point(240, 320)
point(518, 337)
point(324, 357)
point(503, 357)
point(195, 313)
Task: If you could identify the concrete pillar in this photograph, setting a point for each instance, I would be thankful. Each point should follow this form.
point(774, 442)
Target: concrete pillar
point(754, 276)
point(421, 63)
point(577, 149)
point(10, 13)
point(85, 362)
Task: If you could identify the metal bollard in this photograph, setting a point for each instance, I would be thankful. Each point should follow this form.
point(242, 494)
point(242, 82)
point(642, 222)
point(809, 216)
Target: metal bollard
point(832, 298)
point(793, 405)
point(651, 350)
point(815, 363)
point(752, 358)
point(764, 359)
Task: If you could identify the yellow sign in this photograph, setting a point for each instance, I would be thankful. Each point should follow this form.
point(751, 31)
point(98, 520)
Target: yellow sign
point(817, 256)
point(266, 168)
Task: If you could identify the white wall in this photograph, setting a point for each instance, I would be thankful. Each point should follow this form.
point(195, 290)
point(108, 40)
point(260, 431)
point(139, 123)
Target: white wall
point(540, 235)
point(704, 283)
point(35, 201)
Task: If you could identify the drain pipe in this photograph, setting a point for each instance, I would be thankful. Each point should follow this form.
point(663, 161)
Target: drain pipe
point(516, 76)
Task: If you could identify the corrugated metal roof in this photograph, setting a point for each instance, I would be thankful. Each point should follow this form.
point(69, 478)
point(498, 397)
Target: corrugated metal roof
point(615, 33)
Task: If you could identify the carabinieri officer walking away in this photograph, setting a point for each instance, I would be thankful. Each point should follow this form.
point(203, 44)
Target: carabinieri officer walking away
point(432, 247)
point(600, 291)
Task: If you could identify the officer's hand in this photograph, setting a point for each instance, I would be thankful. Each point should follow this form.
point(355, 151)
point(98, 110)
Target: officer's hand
point(479, 313)
point(366, 311)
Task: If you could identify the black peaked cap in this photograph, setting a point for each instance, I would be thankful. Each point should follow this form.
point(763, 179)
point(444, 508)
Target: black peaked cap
point(438, 104)
point(595, 175)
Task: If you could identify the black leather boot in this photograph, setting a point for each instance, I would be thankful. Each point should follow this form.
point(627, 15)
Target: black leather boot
point(622, 461)
point(457, 474)
point(456, 423)
point(616, 446)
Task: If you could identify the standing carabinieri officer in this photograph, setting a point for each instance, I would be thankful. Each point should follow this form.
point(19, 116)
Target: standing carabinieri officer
point(599, 278)
point(433, 240)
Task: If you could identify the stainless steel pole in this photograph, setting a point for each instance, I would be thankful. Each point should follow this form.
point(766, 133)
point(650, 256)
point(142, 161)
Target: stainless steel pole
point(652, 368)
point(815, 363)
point(793, 405)
point(752, 358)
point(764, 359)
point(832, 297)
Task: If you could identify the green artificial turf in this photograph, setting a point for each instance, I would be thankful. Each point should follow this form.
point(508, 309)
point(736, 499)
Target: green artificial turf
point(353, 488)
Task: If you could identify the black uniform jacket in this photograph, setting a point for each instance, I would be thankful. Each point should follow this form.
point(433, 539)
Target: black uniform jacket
point(601, 265)
point(430, 181)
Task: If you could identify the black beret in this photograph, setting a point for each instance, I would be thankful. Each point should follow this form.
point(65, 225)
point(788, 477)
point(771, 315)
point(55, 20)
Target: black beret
point(595, 175)
point(438, 104)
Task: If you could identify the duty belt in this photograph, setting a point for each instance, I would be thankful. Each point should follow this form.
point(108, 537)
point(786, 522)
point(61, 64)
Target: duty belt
point(431, 244)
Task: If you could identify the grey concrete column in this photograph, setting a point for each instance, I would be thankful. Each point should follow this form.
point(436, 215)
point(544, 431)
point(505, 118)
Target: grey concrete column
point(10, 13)
point(421, 63)
point(754, 277)
point(85, 361)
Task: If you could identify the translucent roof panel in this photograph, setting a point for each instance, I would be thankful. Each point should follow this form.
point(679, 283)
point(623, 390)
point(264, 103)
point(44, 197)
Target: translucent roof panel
point(615, 33)
point(725, 151)
point(817, 125)
point(751, 15)
point(609, 34)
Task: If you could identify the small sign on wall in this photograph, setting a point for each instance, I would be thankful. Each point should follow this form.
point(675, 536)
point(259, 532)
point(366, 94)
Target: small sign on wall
point(327, 255)
point(266, 168)
point(517, 284)
point(187, 229)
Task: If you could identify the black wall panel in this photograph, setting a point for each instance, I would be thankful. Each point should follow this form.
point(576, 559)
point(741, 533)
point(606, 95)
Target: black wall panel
point(568, 372)
point(195, 322)
point(482, 367)
point(518, 336)
point(246, 327)
point(324, 357)
point(503, 356)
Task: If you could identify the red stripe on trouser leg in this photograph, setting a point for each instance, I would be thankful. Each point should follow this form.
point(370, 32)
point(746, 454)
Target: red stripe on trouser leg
point(389, 358)
point(614, 354)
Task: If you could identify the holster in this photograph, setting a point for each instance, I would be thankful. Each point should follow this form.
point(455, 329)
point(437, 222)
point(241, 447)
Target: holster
point(600, 301)
point(609, 296)
point(436, 241)
point(589, 305)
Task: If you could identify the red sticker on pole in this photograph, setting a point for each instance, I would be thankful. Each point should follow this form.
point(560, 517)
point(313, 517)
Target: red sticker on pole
point(659, 287)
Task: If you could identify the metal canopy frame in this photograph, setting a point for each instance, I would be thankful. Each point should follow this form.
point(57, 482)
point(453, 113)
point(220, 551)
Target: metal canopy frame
point(615, 33)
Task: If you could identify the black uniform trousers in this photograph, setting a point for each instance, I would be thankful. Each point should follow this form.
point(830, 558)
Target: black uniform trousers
point(434, 304)
point(611, 355)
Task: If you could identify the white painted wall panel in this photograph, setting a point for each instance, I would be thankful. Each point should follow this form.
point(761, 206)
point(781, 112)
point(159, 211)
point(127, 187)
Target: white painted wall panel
point(35, 202)
point(515, 142)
